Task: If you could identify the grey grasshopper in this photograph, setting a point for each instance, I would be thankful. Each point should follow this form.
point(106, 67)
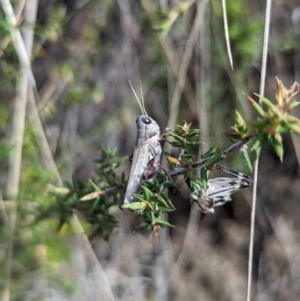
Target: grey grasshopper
point(147, 152)
point(146, 161)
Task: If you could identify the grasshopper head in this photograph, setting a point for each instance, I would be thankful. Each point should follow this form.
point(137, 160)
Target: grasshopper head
point(147, 127)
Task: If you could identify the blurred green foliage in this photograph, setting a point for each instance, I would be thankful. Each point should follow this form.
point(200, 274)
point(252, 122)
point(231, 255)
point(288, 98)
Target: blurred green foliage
point(42, 208)
point(97, 199)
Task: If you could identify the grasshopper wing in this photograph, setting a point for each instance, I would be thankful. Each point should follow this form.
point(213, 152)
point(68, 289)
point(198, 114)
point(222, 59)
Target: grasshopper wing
point(139, 163)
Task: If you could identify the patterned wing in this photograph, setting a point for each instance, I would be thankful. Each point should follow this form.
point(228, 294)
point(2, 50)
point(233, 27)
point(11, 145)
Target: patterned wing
point(219, 190)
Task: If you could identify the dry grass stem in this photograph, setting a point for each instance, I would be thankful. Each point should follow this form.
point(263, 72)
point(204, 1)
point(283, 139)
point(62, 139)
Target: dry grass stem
point(254, 196)
point(227, 33)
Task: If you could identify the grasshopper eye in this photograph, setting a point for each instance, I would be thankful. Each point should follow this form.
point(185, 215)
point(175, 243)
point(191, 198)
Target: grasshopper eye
point(146, 120)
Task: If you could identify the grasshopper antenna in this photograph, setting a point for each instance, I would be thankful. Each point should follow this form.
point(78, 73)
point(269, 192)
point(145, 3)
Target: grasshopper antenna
point(143, 102)
point(140, 104)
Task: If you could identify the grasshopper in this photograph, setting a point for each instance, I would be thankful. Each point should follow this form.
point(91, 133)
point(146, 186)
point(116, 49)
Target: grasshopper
point(147, 152)
point(146, 161)
point(219, 190)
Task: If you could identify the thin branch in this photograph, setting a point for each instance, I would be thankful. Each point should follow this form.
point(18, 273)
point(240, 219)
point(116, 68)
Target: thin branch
point(254, 196)
point(200, 163)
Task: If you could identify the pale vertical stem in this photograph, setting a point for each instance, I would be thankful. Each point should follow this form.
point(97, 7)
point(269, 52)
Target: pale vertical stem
point(18, 125)
point(16, 141)
point(227, 33)
point(254, 196)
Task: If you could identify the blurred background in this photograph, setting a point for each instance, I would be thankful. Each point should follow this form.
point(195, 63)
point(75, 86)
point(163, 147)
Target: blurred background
point(83, 53)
